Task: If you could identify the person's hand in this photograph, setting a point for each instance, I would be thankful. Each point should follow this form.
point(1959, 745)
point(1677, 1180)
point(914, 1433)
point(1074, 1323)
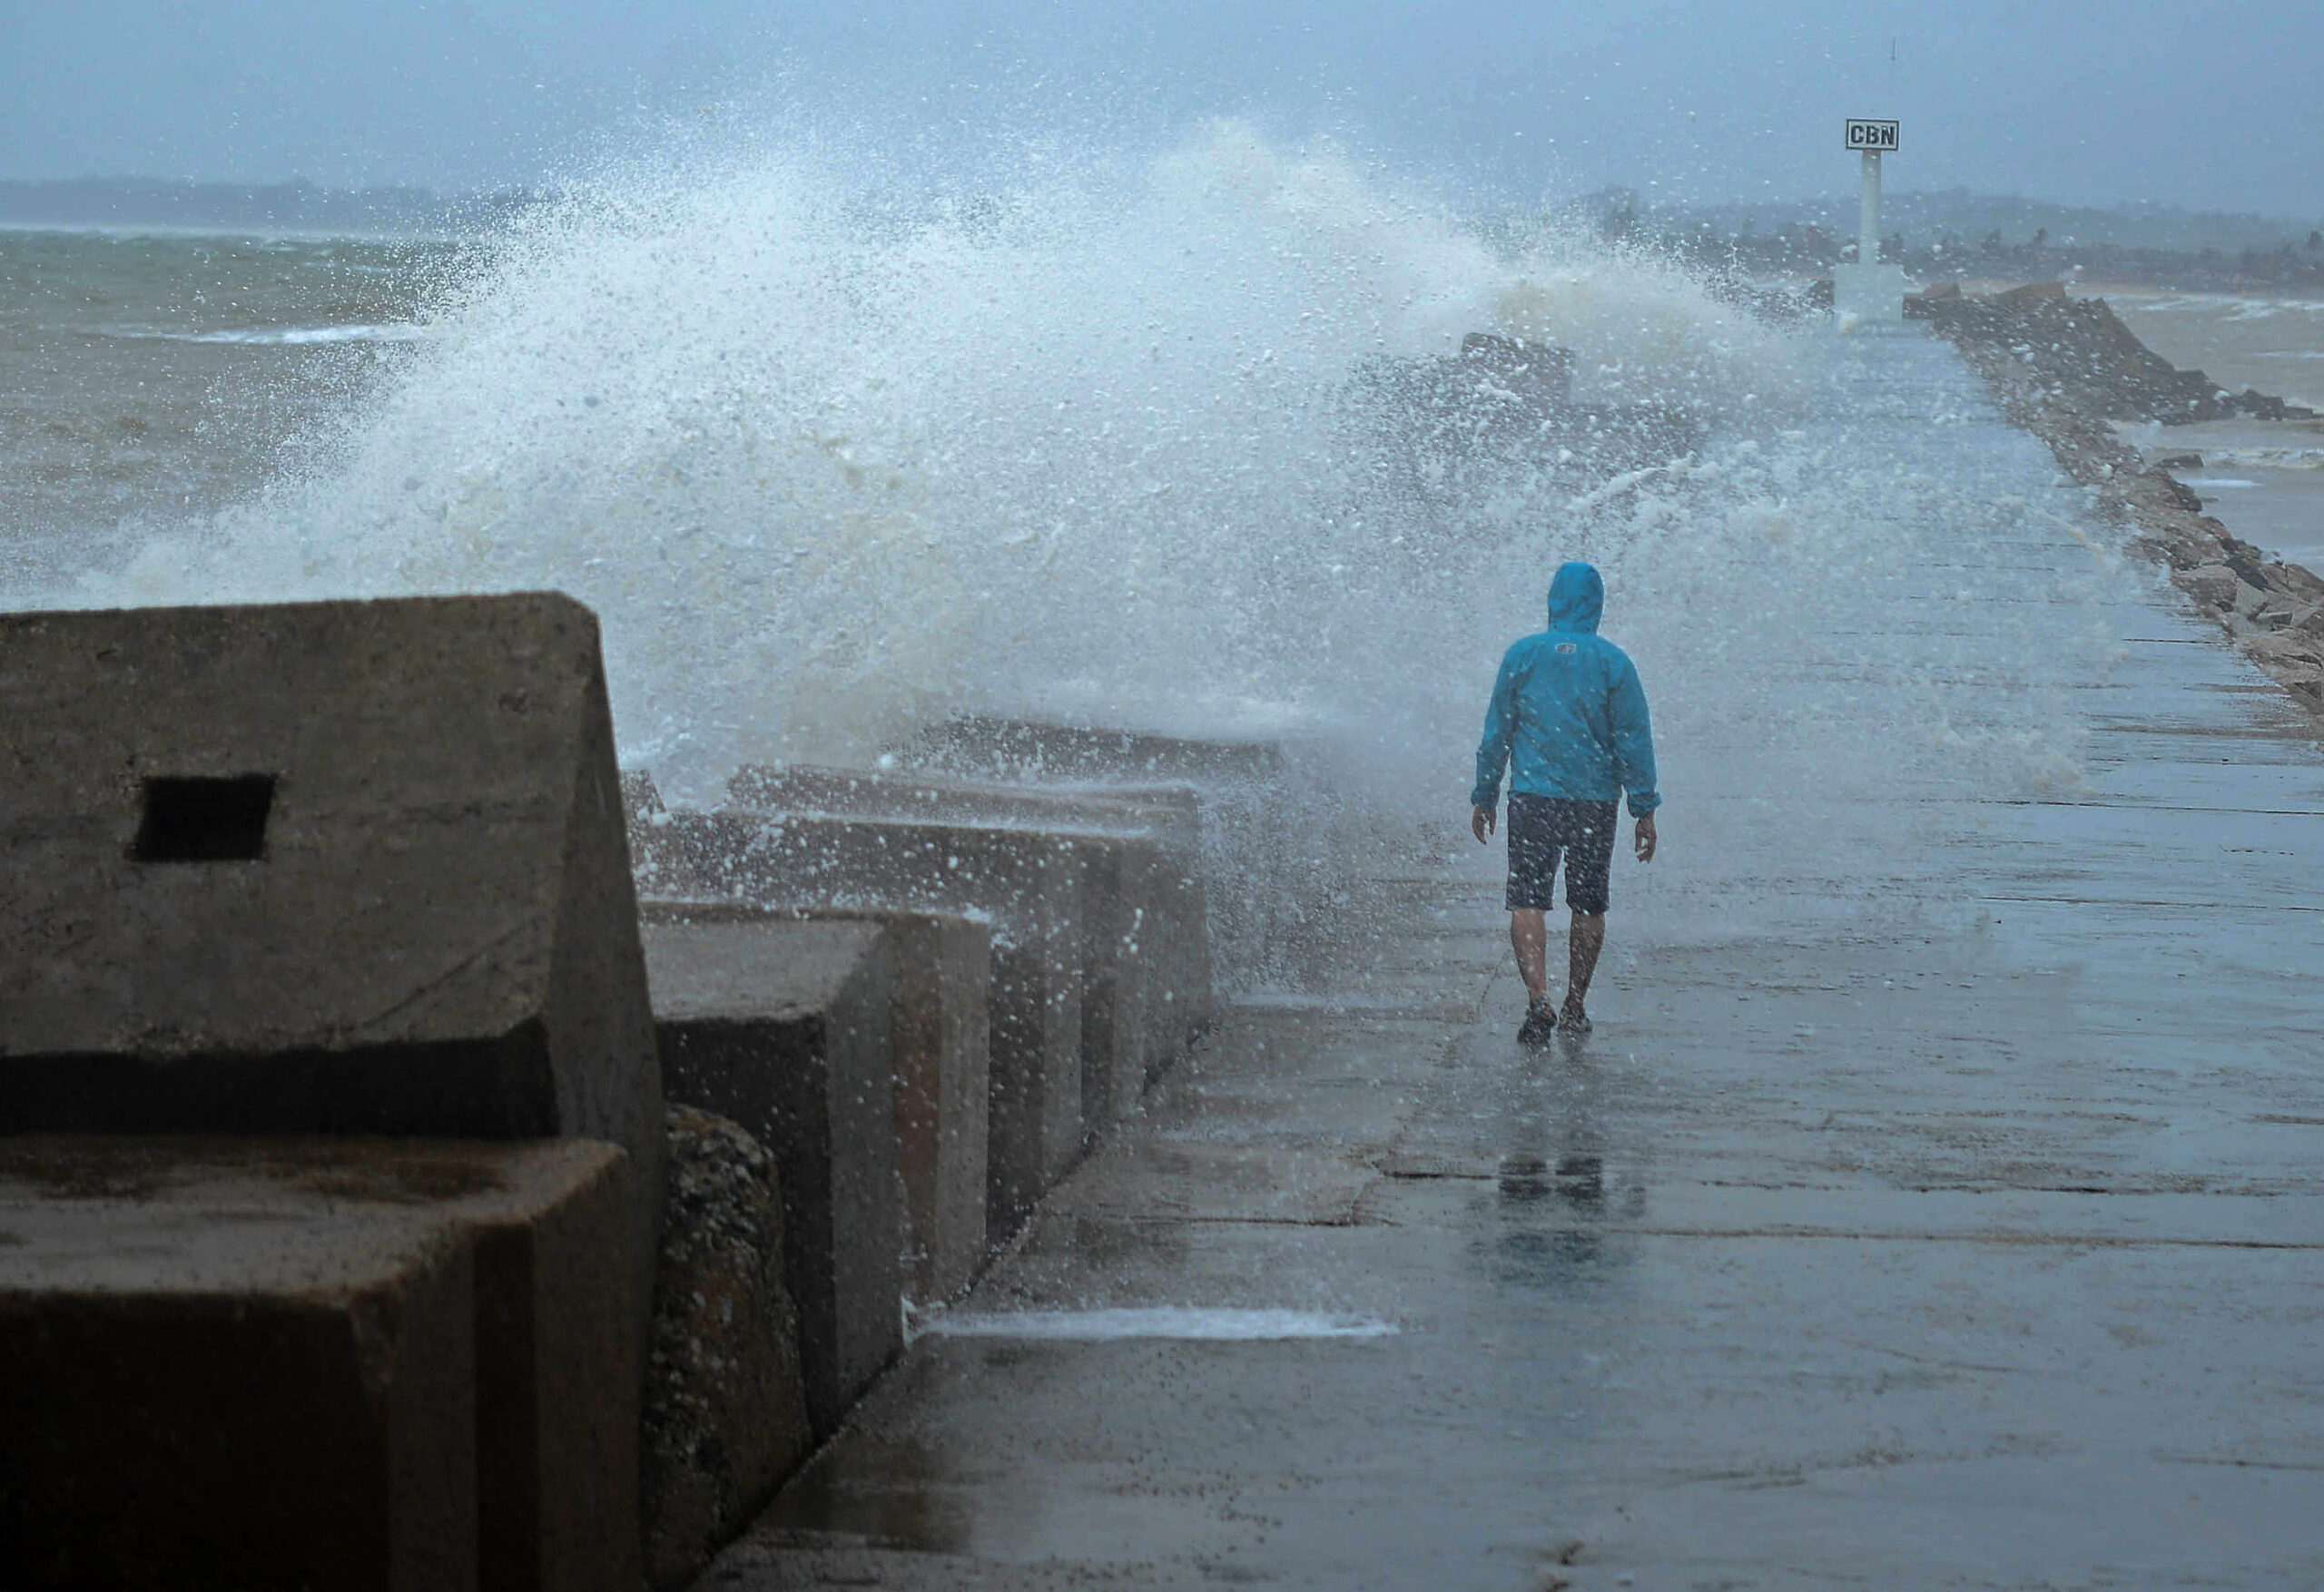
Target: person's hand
point(1481, 822)
point(1646, 838)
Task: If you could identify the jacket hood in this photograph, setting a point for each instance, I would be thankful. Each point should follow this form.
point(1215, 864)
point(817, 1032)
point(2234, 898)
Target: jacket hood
point(1576, 597)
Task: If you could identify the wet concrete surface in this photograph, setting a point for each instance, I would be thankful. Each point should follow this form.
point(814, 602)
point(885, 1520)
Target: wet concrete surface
point(1961, 1229)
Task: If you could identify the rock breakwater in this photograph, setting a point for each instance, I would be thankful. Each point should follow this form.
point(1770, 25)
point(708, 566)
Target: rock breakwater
point(2063, 369)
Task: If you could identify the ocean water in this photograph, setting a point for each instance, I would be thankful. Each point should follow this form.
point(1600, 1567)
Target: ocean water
point(2276, 345)
point(833, 453)
point(148, 380)
point(2264, 480)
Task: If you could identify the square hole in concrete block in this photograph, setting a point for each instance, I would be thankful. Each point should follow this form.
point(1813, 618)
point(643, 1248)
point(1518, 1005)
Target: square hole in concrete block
point(190, 819)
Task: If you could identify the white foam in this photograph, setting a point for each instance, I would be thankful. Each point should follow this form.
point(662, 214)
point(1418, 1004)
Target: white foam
point(832, 453)
point(1166, 1322)
point(830, 461)
point(279, 336)
point(2228, 306)
point(2265, 458)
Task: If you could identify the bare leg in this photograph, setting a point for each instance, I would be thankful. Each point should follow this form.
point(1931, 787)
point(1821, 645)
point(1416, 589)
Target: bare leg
point(1583, 946)
point(1529, 937)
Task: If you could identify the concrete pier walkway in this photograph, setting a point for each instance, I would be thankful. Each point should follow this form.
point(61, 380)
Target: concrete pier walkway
point(1957, 1223)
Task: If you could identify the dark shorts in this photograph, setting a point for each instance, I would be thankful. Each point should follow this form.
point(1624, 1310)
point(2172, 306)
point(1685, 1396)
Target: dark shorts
point(1540, 826)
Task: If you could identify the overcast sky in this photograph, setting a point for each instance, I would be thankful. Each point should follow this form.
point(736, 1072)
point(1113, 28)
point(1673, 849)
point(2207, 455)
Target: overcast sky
point(2206, 105)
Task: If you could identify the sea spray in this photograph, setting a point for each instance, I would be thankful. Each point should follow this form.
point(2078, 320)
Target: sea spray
point(827, 472)
point(833, 460)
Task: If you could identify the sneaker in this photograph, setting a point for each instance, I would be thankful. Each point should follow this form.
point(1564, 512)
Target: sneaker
point(1541, 1022)
point(1574, 1022)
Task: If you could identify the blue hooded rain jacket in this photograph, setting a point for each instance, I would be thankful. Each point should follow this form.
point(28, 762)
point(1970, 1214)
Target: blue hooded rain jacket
point(1568, 713)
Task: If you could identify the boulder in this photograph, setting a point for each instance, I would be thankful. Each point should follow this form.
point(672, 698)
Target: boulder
point(725, 1416)
point(2031, 294)
point(2213, 585)
point(2292, 648)
point(2175, 493)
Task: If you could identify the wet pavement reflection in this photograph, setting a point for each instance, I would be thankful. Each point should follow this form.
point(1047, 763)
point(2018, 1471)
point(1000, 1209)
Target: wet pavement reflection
point(1552, 1176)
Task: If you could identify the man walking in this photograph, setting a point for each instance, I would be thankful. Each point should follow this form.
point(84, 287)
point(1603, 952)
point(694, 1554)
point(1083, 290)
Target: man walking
point(1569, 718)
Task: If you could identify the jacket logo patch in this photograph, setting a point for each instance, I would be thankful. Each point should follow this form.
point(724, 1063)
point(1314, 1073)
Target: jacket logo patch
point(1567, 646)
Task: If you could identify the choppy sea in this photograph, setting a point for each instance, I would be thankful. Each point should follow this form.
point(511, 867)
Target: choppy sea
point(2263, 479)
point(149, 379)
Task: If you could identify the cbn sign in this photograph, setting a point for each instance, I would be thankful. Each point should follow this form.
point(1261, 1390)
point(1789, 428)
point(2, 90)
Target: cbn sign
point(1871, 136)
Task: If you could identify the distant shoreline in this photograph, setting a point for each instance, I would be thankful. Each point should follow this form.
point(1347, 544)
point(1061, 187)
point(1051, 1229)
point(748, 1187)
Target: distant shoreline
point(1945, 236)
point(1957, 235)
point(126, 231)
point(2105, 287)
point(142, 207)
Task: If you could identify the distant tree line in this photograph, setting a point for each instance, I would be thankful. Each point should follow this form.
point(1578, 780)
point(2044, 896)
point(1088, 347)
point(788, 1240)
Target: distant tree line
point(2290, 265)
point(2292, 259)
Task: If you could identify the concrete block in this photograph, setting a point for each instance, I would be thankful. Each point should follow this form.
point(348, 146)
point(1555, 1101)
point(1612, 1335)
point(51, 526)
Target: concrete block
point(218, 1398)
point(556, 1348)
point(725, 1417)
point(1258, 861)
point(1129, 1007)
point(1167, 812)
point(785, 1028)
point(302, 1362)
point(1144, 912)
point(334, 867)
point(1028, 883)
point(943, 1034)
point(939, 1026)
point(1026, 749)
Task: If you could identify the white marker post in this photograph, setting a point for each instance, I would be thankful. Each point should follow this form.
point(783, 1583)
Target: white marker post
point(1868, 289)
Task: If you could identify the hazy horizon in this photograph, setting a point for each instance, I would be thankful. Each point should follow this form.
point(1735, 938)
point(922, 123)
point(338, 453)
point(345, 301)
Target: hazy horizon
point(1846, 196)
point(2073, 101)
